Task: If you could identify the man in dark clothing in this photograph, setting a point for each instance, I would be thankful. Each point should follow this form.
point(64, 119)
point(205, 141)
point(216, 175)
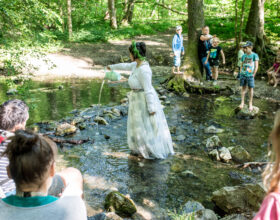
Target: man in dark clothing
point(204, 44)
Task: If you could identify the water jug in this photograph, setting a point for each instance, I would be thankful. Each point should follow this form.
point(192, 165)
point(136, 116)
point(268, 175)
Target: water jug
point(113, 76)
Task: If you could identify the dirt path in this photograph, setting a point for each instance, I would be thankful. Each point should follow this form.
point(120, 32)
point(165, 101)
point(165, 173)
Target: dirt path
point(88, 60)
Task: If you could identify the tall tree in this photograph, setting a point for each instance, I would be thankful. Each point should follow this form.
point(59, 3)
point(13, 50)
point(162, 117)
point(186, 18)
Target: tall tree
point(255, 26)
point(69, 10)
point(113, 14)
point(191, 64)
point(128, 12)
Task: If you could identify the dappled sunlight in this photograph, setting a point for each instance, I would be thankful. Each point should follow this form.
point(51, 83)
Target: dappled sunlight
point(98, 182)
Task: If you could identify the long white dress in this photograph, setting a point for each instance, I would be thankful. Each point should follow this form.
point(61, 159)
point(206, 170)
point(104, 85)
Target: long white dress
point(147, 134)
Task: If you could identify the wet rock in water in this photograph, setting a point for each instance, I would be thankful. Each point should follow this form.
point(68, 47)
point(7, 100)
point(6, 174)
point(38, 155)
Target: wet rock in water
point(82, 126)
point(116, 112)
point(77, 120)
point(205, 214)
point(192, 206)
point(167, 103)
point(186, 95)
point(213, 141)
point(181, 137)
point(245, 113)
point(213, 130)
point(112, 216)
point(65, 129)
point(235, 217)
point(161, 91)
point(173, 130)
point(110, 116)
point(214, 155)
point(121, 205)
point(240, 178)
point(239, 199)
point(100, 120)
point(124, 100)
point(107, 137)
point(163, 97)
point(101, 216)
point(224, 154)
point(11, 92)
point(239, 154)
point(188, 173)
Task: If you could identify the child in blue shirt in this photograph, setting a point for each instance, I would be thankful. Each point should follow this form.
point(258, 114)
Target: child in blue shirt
point(249, 68)
point(178, 49)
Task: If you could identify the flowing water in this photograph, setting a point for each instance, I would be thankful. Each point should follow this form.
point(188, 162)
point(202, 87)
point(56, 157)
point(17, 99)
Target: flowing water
point(155, 185)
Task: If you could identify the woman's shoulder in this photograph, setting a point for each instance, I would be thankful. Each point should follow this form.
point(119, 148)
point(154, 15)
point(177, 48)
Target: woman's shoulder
point(145, 67)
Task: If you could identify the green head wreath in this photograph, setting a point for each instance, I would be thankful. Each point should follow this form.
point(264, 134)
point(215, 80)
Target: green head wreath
point(136, 52)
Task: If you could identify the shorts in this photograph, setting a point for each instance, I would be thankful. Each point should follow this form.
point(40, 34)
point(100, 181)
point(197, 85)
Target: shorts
point(57, 186)
point(214, 63)
point(177, 58)
point(247, 81)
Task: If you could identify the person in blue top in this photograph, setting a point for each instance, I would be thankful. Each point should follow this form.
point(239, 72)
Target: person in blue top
point(178, 49)
point(249, 68)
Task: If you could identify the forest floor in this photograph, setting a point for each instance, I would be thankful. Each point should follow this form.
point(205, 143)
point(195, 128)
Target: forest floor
point(87, 60)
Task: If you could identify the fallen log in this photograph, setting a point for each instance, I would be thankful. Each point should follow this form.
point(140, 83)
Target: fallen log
point(252, 164)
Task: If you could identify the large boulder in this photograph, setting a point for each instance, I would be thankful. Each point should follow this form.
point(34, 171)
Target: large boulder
point(239, 154)
point(65, 129)
point(120, 204)
point(239, 199)
point(213, 141)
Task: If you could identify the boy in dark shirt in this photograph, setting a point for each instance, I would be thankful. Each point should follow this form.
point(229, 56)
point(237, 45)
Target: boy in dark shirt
point(213, 56)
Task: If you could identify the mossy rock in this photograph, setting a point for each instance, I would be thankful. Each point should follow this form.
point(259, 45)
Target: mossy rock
point(65, 129)
point(176, 84)
point(121, 205)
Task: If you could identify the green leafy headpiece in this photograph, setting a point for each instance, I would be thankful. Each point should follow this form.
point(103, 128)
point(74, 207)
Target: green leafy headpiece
point(136, 52)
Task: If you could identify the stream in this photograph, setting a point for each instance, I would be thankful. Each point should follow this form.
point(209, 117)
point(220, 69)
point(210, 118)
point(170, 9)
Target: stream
point(156, 186)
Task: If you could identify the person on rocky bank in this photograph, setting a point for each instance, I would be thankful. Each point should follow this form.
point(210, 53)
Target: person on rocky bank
point(178, 49)
point(204, 44)
point(249, 68)
point(148, 134)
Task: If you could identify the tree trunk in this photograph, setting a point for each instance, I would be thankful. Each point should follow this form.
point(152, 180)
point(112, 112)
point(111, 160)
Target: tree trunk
point(235, 24)
point(128, 13)
point(241, 22)
point(113, 16)
point(255, 26)
point(191, 63)
point(69, 19)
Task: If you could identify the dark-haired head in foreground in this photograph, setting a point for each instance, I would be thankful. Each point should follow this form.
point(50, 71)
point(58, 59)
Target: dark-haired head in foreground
point(31, 158)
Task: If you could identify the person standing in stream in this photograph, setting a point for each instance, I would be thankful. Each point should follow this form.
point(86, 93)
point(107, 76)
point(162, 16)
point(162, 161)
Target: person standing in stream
point(148, 134)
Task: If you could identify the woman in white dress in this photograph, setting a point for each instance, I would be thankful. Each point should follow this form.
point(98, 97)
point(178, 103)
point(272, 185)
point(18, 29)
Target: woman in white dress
point(147, 130)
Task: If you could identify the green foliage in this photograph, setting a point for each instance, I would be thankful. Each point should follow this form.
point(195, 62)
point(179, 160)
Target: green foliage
point(180, 215)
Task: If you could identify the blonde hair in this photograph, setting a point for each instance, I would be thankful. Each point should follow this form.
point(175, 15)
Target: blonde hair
point(216, 39)
point(271, 174)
